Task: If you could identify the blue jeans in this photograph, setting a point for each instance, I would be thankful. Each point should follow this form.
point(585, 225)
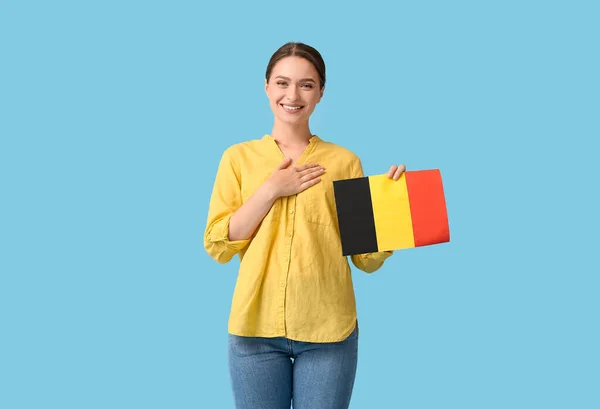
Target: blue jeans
point(271, 373)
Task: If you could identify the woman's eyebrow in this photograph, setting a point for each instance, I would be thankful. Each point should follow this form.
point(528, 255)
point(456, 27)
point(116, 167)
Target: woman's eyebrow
point(288, 79)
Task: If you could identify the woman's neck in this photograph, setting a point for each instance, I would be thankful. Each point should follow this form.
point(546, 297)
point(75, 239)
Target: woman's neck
point(291, 136)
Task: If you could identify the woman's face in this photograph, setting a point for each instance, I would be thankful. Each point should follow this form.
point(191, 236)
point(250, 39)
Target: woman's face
point(293, 89)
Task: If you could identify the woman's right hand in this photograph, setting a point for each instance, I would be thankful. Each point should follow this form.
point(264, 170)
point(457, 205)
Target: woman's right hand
point(289, 180)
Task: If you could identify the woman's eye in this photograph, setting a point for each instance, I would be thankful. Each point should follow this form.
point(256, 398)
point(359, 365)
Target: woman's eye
point(281, 83)
point(308, 85)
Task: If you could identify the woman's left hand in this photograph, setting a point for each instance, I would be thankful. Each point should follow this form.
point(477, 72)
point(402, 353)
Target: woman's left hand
point(395, 171)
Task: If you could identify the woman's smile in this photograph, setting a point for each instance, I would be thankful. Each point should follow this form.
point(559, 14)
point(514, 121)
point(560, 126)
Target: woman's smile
point(291, 109)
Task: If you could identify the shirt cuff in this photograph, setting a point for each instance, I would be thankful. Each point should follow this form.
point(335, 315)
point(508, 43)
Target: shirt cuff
point(219, 233)
point(370, 262)
point(378, 256)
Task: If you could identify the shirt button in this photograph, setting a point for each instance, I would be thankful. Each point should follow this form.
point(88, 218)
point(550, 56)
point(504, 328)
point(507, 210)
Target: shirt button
point(291, 212)
point(290, 235)
point(282, 284)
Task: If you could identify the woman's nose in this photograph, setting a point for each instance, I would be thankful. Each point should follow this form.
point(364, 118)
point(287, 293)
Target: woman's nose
point(292, 94)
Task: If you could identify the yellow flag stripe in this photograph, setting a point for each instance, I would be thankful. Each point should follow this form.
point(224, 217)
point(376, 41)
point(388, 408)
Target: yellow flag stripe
point(391, 211)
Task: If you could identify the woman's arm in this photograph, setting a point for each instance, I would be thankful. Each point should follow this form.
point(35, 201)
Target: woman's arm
point(246, 219)
point(231, 223)
point(284, 181)
point(226, 198)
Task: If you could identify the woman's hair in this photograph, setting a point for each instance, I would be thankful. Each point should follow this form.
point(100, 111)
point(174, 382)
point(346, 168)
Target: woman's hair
point(298, 50)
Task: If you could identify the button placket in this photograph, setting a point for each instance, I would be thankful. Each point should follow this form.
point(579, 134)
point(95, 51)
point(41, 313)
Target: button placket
point(289, 228)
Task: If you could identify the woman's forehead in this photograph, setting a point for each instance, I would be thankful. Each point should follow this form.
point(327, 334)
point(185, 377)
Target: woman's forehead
point(295, 67)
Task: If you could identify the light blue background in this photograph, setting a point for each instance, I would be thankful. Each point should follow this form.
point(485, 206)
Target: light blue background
point(113, 117)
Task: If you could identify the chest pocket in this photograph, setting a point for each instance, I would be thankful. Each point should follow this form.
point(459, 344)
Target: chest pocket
point(319, 203)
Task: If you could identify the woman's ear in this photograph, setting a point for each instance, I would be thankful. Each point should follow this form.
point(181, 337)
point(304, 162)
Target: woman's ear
point(321, 94)
point(266, 85)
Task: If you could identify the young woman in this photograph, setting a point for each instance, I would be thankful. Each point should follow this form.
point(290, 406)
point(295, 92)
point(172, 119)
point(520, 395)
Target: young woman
point(293, 329)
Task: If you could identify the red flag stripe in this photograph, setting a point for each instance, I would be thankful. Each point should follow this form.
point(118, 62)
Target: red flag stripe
point(427, 207)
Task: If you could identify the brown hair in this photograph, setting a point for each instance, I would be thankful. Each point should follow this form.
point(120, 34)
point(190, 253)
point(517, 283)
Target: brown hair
point(298, 50)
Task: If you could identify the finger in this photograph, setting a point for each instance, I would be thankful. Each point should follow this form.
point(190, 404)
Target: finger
point(311, 174)
point(286, 162)
point(306, 185)
point(391, 171)
point(399, 172)
point(312, 170)
point(306, 166)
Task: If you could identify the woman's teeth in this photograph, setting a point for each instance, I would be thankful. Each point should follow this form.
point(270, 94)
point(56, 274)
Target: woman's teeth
point(290, 108)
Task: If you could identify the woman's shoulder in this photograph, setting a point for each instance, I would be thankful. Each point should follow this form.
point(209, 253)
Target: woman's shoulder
point(243, 147)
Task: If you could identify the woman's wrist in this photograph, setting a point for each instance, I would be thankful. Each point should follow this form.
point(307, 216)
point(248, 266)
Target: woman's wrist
point(268, 191)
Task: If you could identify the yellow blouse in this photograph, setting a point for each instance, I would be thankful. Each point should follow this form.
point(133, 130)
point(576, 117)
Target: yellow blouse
point(293, 280)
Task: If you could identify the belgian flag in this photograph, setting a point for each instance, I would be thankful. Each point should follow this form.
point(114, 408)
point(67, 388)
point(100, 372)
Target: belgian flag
point(376, 213)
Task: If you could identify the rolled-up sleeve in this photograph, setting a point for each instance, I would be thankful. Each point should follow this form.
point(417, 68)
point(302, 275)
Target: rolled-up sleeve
point(367, 262)
point(226, 198)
